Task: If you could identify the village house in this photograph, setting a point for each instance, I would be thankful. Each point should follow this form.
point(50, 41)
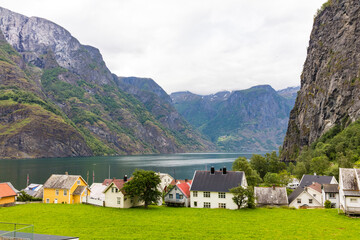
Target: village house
point(35, 190)
point(97, 196)
point(65, 189)
point(165, 179)
point(116, 197)
point(211, 189)
point(307, 197)
point(307, 180)
point(7, 194)
point(178, 195)
point(331, 192)
point(349, 190)
point(270, 196)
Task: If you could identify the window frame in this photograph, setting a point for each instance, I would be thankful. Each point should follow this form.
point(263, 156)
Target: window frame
point(206, 194)
point(298, 200)
point(65, 192)
point(195, 193)
point(222, 195)
point(207, 204)
point(57, 192)
point(222, 205)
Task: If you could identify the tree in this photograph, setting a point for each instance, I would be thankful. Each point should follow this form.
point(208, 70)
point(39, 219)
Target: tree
point(274, 164)
point(319, 165)
point(327, 204)
point(284, 178)
point(300, 170)
point(291, 168)
point(242, 164)
point(143, 186)
point(259, 164)
point(243, 196)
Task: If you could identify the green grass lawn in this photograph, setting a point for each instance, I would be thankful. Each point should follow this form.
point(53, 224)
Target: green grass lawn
point(90, 222)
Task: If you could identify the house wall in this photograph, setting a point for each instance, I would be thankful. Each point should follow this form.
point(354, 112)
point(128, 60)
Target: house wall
point(213, 199)
point(305, 196)
point(5, 200)
point(111, 199)
point(336, 200)
point(77, 199)
point(349, 203)
point(174, 191)
point(165, 181)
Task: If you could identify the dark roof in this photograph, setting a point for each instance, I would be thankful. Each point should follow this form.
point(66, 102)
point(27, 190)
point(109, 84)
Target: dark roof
point(295, 194)
point(79, 190)
point(331, 188)
point(218, 182)
point(61, 181)
point(309, 179)
point(350, 193)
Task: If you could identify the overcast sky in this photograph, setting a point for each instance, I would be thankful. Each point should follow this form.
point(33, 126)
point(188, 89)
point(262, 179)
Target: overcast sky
point(203, 46)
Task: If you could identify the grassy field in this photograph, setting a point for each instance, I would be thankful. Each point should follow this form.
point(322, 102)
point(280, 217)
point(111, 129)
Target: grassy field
point(90, 222)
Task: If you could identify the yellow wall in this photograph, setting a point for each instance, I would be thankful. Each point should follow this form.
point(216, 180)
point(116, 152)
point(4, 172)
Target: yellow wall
point(5, 200)
point(50, 193)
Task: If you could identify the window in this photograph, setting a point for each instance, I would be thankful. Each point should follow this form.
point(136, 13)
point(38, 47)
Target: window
point(118, 200)
point(195, 204)
point(207, 205)
point(206, 194)
point(47, 200)
point(331, 195)
point(181, 196)
point(194, 193)
point(299, 200)
point(310, 201)
point(114, 189)
point(171, 196)
point(222, 205)
point(57, 192)
point(65, 192)
point(314, 195)
point(78, 182)
point(221, 195)
point(353, 200)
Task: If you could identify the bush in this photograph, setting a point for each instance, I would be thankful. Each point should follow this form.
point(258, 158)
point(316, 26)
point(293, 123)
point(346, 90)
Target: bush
point(24, 197)
point(327, 204)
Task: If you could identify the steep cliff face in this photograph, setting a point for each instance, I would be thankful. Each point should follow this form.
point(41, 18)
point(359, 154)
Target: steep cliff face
point(75, 80)
point(248, 120)
point(330, 82)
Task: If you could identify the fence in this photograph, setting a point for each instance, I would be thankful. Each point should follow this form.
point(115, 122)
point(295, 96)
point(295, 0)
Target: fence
point(16, 231)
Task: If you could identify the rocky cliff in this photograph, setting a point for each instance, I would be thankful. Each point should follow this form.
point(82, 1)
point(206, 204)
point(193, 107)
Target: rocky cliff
point(75, 81)
point(248, 120)
point(330, 82)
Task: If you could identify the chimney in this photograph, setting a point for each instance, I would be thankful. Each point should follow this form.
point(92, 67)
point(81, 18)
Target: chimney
point(224, 170)
point(66, 173)
point(273, 186)
point(125, 178)
point(186, 180)
point(212, 170)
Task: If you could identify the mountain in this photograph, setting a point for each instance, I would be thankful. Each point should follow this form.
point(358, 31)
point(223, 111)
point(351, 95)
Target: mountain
point(330, 81)
point(289, 93)
point(48, 74)
point(247, 120)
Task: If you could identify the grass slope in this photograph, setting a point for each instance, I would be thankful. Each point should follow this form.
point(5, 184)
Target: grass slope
point(90, 222)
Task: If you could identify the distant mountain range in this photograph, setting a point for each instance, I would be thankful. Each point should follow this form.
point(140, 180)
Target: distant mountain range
point(246, 120)
point(58, 99)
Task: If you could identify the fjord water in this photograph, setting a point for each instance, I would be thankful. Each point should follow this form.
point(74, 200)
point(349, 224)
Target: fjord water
point(180, 166)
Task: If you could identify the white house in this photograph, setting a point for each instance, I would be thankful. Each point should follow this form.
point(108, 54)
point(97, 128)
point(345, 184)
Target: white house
point(34, 190)
point(179, 195)
point(211, 189)
point(97, 196)
point(331, 192)
point(309, 197)
point(116, 197)
point(271, 196)
point(166, 179)
point(349, 192)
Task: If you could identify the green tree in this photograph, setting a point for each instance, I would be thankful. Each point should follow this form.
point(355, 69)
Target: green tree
point(284, 178)
point(259, 164)
point(274, 163)
point(242, 164)
point(291, 168)
point(327, 204)
point(243, 197)
point(143, 186)
point(320, 165)
point(300, 170)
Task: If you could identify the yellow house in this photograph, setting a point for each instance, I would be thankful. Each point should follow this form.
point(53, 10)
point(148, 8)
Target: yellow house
point(7, 194)
point(65, 189)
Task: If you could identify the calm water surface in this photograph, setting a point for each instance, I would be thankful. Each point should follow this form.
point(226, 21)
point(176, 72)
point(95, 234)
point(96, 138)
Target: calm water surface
point(180, 166)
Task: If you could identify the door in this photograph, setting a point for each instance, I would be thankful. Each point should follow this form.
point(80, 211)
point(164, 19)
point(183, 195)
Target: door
point(55, 201)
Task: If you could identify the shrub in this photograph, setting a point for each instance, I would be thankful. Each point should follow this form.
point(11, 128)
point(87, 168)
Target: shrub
point(327, 204)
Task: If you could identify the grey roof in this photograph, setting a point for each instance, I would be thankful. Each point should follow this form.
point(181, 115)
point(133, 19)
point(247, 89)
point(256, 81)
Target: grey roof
point(13, 188)
point(79, 190)
point(349, 181)
point(271, 196)
point(295, 194)
point(331, 188)
point(61, 181)
point(218, 182)
point(351, 193)
point(307, 180)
